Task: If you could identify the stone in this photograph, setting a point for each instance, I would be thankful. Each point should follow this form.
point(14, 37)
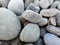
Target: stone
point(39, 42)
point(9, 24)
point(30, 33)
point(51, 39)
point(55, 4)
point(29, 44)
point(52, 21)
point(43, 22)
point(49, 12)
point(58, 19)
point(58, 6)
point(45, 3)
point(4, 3)
point(17, 6)
point(33, 7)
point(31, 16)
point(53, 29)
point(42, 31)
point(27, 2)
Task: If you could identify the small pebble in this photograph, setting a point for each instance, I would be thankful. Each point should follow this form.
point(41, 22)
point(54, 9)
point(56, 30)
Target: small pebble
point(51, 39)
point(33, 7)
point(30, 33)
point(31, 16)
point(53, 29)
point(29, 44)
point(49, 12)
point(45, 3)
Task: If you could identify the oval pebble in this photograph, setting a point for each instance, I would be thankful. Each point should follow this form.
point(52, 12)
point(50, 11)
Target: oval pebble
point(29, 44)
point(30, 33)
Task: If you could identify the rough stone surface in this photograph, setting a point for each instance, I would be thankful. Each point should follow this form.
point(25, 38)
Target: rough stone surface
point(30, 33)
point(9, 24)
point(43, 22)
point(55, 4)
point(53, 29)
point(51, 39)
point(45, 3)
point(49, 12)
point(17, 6)
point(52, 21)
point(33, 7)
point(31, 16)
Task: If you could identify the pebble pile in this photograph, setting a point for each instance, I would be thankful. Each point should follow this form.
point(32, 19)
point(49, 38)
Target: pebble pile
point(29, 22)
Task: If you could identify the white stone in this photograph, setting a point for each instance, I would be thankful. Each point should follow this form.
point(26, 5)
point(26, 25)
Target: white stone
point(9, 24)
point(17, 6)
point(55, 4)
point(4, 3)
point(31, 16)
point(27, 2)
point(43, 22)
point(30, 33)
point(51, 39)
point(45, 3)
point(49, 12)
point(33, 7)
point(53, 29)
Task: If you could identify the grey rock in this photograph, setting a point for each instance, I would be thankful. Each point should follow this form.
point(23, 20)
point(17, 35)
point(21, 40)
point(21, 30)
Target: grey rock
point(43, 22)
point(55, 4)
point(31, 16)
point(9, 24)
point(51, 39)
point(53, 29)
point(33, 7)
point(49, 12)
point(17, 6)
point(30, 33)
point(45, 3)
point(29, 44)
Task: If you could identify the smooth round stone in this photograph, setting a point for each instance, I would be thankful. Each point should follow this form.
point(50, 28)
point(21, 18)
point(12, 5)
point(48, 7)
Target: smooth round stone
point(9, 24)
point(55, 4)
point(53, 29)
point(33, 7)
point(43, 22)
point(17, 6)
point(58, 6)
point(49, 12)
point(39, 42)
point(31, 16)
point(52, 21)
point(27, 2)
point(30, 33)
point(51, 39)
point(29, 44)
point(4, 3)
point(45, 3)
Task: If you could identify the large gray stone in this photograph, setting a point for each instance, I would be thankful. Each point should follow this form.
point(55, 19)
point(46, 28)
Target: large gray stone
point(17, 6)
point(30, 33)
point(9, 24)
point(51, 39)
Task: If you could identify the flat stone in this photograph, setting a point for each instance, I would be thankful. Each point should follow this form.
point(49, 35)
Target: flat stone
point(53, 29)
point(27, 2)
point(31, 16)
point(55, 4)
point(49, 12)
point(51, 39)
point(45, 3)
point(4, 3)
point(33, 7)
point(43, 22)
point(17, 6)
point(9, 24)
point(30, 33)
point(52, 21)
